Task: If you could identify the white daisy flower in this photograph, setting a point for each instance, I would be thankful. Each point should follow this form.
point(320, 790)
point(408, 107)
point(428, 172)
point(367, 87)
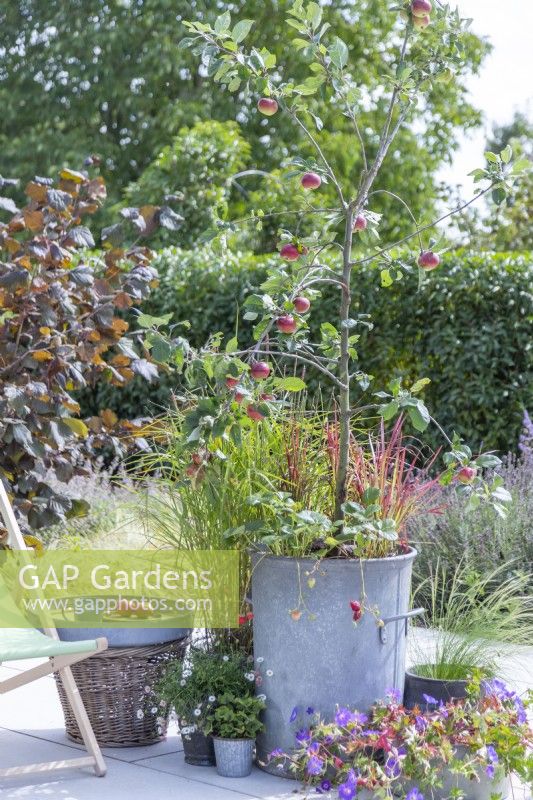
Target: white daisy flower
point(269, 673)
point(140, 714)
point(197, 712)
point(260, 660)
point(212, 698)
point(262, 697)
point(250, 676)
point(183, 683)
point(225, 658)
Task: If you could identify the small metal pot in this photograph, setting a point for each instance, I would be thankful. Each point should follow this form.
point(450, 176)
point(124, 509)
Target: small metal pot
point(234, 757)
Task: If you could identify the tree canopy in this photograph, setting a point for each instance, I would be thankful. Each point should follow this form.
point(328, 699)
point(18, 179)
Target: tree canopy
point(111, 78)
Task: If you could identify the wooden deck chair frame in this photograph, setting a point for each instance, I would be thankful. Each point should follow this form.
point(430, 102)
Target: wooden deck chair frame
point(61, 664)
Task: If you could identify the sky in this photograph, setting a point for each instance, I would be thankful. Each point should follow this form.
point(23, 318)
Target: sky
point(505, 83)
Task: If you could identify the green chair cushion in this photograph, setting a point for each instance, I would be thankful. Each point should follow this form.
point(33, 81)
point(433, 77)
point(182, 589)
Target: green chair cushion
point(18, 643)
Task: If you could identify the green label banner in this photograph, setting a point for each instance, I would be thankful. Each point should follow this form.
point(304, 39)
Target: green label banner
point(119, 589)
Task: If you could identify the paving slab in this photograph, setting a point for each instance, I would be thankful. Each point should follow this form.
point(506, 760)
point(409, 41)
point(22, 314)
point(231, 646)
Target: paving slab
point(32, 729)
point(259, 784)
point(124, 781)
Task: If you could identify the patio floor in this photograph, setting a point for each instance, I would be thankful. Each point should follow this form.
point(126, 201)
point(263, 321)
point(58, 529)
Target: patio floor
point(31, 730)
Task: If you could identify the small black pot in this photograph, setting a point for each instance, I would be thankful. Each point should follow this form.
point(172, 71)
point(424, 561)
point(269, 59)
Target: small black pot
point(199, 749)
point(416, 687)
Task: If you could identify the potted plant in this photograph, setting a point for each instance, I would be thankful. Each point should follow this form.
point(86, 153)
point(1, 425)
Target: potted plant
point(470, 618)
point(467, 749)
point(193, 688)
point(338, 568)
point(234, 724)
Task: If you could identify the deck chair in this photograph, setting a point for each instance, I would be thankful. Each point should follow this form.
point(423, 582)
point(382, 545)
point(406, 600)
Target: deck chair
point(25, 643)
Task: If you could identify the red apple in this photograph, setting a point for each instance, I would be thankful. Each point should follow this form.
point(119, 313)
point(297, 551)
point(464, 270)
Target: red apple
point(289, 252)
point(286, 323)
point(310, 180)
point(239, 397)
point(420, 8)
point(428, 260)
point(421, 22)
point(254, 413)
point(466, 474)
point(231, 382)
point(360, 222)
point(267, 106)
point(259, 370)
point(301, 304)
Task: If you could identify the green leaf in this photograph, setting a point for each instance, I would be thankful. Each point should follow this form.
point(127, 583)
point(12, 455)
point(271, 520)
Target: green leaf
point(147, 321)
point(241, 30)
point(389, 410)
point(290, 384)
point(232, 345)
point(498, 195)
point(77, 426)
point(419, 385)
point(492, 157)
point(419, 416)
point(314, 15)
point(520, 165)
point(160, 350)
point(222, 22)
point(506, 154)
point(338, 52)
point(386, 279)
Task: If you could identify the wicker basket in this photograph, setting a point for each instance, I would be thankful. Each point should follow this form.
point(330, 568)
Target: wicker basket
point(117, 689)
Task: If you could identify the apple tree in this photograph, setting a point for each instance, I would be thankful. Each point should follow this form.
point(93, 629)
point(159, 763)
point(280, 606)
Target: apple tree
point(241, 387)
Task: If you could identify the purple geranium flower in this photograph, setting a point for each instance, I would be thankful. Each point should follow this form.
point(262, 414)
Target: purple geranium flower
point(421, 723)
point(314, 765)
point(303, 735)
point(394, 694)
point(431, 701)
point(351, 777)
point(392, 767)
point(343, 716)
point(492, 758)
point(325, 786)
point(309, 710)
point(277, 753)
point(414, 794)
point(346, 791)
point(294, 714)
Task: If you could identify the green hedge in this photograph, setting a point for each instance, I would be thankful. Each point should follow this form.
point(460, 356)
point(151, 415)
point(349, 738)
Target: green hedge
point(468, 329)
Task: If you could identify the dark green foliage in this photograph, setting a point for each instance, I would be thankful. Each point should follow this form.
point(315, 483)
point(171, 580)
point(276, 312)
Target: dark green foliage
point(194, 172)
point(111, 78)
point(468, 329)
